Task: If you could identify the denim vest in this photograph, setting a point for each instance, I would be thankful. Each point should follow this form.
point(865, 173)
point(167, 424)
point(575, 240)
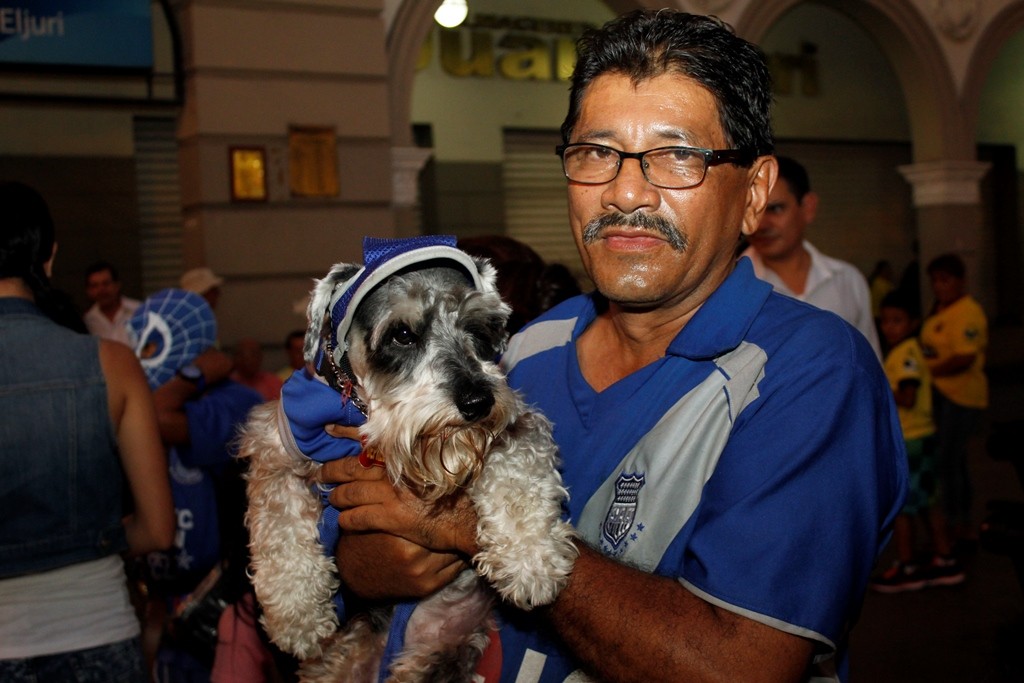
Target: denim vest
point(60, 474)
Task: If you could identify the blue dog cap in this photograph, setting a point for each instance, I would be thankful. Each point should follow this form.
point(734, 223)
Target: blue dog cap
point(382, 258)
point(169, 330)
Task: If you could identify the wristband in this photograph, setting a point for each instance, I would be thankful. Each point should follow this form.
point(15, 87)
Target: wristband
point(192, 374)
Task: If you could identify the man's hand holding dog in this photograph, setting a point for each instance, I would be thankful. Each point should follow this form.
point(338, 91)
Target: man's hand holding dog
point(393, 544)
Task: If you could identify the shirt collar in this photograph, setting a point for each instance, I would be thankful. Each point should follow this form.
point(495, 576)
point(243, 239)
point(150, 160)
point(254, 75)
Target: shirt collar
point(722, 321)
point(821, 269)
point(17, 305)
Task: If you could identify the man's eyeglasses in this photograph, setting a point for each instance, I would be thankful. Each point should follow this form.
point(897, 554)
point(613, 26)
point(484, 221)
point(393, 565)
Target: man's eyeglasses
point(671, 168)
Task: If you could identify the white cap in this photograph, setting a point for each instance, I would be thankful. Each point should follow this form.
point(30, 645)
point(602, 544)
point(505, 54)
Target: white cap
point(200, 280)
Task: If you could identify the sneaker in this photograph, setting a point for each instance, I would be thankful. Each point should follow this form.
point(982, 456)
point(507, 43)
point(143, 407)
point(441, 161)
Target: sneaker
point(944, 571)
point(899, 578)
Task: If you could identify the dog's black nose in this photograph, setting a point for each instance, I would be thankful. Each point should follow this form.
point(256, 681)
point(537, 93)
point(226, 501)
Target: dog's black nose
point(475, 403)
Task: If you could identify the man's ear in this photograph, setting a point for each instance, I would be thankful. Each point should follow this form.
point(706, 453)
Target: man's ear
point(48, 265)
point(763, 175)
point(809, 207)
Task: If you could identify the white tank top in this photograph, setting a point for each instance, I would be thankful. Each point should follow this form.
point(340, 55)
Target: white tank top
point(72, 608)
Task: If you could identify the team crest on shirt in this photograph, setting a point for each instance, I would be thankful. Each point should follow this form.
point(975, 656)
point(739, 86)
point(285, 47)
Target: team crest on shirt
point(622, 513)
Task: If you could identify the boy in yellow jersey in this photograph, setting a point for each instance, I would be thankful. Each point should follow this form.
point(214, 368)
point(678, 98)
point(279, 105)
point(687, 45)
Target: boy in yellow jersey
point(911, 384)
point(954, 339)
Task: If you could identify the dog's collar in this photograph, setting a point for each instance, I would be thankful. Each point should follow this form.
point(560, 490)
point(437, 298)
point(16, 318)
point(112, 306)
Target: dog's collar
point(342, 379)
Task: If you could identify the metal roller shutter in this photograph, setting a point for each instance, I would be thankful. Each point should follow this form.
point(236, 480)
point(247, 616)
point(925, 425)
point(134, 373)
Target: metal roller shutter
point(159, 197)
point(535, 203)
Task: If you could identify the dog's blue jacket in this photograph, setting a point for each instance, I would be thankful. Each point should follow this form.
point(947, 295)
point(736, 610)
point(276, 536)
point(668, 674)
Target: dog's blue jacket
point(309, 404)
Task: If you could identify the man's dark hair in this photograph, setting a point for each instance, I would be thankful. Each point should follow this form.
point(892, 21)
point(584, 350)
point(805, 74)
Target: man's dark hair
point(294, 334)
point(99, 267)
point(951, 264)
point(649, 43)
point(795, 175)
point(900, 300)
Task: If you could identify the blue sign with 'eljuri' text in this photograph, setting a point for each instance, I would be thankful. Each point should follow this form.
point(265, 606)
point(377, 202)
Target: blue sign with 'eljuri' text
point(82, 33)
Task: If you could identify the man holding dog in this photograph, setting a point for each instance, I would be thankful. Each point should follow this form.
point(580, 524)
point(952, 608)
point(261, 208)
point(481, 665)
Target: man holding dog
point(733, 457)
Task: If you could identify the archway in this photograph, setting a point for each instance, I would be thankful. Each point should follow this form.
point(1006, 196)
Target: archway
point(413, 21)
point(997, 32)
point(991, 99)
point(937, 126)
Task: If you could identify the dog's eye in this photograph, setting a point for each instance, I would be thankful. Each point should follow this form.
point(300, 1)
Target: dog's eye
point(403, 336)
point(484, 341)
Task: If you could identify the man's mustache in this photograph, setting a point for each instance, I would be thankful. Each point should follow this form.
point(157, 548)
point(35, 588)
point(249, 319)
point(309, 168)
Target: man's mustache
point(646, 221)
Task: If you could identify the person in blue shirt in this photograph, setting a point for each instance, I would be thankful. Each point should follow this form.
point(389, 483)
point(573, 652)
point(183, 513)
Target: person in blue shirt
point(733, 457)
point(199, 410)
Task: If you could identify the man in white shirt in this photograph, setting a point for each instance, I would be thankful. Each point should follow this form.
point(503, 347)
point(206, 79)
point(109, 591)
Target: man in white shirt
point(794, 267)
point(110, 311)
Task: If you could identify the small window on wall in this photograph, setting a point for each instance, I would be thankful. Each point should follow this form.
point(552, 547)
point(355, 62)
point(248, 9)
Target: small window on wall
point(248, 174)
point(536, 209)
point(313, 161)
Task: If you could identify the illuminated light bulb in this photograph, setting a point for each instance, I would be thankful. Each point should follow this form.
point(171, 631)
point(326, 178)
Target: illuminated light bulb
point(451, 13)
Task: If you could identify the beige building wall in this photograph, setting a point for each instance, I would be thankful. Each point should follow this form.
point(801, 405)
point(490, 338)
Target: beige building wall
point(256, 72)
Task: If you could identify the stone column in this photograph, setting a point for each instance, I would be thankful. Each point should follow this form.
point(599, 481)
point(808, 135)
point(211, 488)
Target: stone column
point(951, 218)
point(406, 164)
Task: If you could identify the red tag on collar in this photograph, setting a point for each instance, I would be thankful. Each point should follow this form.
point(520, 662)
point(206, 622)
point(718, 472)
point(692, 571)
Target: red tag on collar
point(346, 391)
point(368, 457)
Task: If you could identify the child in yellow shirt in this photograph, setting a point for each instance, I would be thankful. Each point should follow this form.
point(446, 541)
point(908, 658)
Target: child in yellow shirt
point(954, 339)
point(910, 381)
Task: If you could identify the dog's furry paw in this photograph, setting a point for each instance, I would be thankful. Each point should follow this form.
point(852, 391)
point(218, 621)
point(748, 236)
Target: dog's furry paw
point(352, 656)
point(293, 579)
point(534, 577)
point(526, 550)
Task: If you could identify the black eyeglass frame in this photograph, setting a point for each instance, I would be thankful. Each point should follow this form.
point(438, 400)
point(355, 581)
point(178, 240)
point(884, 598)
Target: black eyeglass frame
point(741, 156)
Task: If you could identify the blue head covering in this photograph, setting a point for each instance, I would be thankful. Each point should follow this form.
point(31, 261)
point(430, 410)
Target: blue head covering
point(382, 258)
point(169, 330)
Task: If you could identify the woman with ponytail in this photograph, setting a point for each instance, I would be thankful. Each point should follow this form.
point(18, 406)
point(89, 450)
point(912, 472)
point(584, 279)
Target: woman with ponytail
point(28, 237)
point(83, 475)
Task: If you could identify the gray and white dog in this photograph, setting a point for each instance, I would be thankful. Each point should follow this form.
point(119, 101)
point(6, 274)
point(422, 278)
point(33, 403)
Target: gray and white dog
point(413, 337)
